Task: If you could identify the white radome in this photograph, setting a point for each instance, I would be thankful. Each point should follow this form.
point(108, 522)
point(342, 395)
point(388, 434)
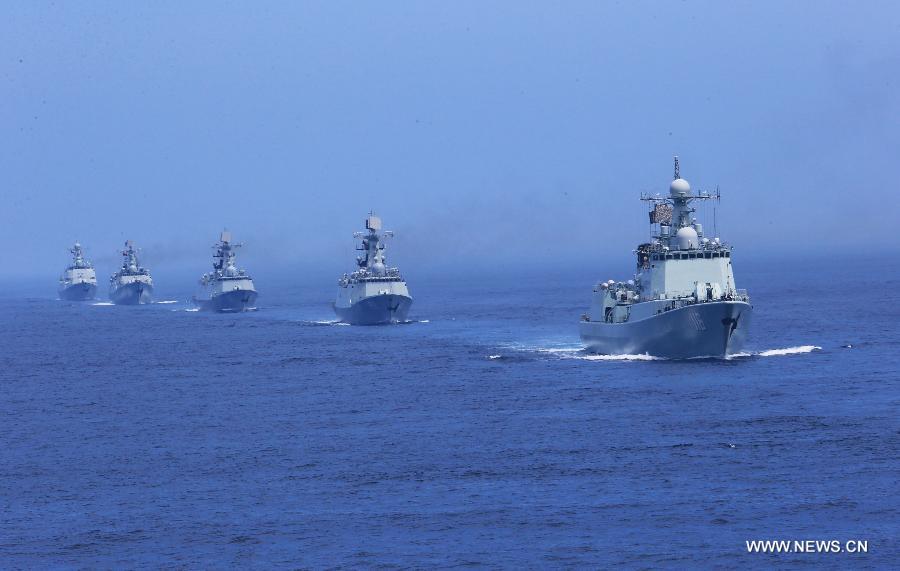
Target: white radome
point(687, 238)
point(679, 186)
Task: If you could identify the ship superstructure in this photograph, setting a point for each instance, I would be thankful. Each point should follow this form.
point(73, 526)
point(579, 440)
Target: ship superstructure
point(226, 288)
point(79, 280)
point(682, 301)
point(132, 284)
point(374, 293)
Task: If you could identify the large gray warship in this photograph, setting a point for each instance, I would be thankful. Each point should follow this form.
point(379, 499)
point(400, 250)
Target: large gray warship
point(682, 302)
point(79, 281)
point(373, 294)
point(132, 284)
point(227, 289)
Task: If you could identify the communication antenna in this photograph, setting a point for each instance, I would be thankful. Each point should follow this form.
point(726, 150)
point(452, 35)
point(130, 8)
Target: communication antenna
point(715, 204)
point(677, 170)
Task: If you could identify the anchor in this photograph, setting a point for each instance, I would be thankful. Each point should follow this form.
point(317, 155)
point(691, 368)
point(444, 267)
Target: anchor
point(733, 322)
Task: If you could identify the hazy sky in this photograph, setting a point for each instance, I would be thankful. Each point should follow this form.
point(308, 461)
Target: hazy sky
point(482, 132)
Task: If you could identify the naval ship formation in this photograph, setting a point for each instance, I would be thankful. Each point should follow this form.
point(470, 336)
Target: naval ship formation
point(374, 293)
point(132, 284)
point(683, 301)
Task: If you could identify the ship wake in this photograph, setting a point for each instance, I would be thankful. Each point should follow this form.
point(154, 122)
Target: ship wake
point(578, 352)
point(322, 322)
point(799, 350)
point(582, 354)
point(573, 351)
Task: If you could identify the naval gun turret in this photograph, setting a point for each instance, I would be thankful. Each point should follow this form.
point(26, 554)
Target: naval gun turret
point(375, 293)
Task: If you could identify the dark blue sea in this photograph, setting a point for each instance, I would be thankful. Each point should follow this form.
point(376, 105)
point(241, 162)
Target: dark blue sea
point(478, 435)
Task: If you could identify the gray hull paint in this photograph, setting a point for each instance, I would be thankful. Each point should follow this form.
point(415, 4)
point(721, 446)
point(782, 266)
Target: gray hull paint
point(376, 310)
point(231, 302)
point(78, 292)
point(132, 294)
point(714, 329)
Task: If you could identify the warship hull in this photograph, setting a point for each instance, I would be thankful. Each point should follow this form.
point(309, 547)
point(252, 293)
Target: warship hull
point(375, 310)
point(132, 294)
point(234, 301)
point(78, 292)
point(714, 329)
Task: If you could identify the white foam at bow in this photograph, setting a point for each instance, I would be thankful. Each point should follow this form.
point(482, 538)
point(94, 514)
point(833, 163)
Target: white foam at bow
point(560, 350)
point(738, 355)
point(616, 357)
point(578, 352)
point(789, 351)
point(103, 303)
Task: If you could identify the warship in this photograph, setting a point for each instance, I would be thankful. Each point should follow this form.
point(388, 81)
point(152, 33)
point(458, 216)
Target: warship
point(682, 302)
point(227, 289)
point(373, 294)
point(79, 281)
point(132, 284)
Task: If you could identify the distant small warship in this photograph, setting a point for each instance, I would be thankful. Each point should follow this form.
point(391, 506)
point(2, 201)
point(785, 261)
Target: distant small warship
point(79, 281)
point(374, 293)
point(132, 284)
point(227, 289)
point(682, 302)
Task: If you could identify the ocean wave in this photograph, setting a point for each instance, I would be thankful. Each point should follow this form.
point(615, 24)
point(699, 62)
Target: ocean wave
point(167, 301)
point(103, 303)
